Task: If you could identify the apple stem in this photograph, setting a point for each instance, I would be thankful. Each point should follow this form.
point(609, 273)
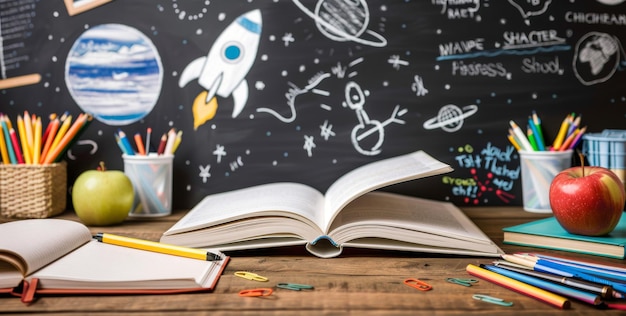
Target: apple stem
point(101, 167)
point(582, 161)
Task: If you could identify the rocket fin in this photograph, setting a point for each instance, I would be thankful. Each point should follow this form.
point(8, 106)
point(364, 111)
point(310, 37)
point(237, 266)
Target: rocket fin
point(192, 71)
point(240, 97)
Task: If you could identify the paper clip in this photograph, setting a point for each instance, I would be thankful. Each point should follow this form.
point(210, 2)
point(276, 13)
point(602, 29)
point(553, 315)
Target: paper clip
point(251, 276)
point(418, 284)
point(294, 287)
point(256, 292)
point(492, 300)
point(460, 281)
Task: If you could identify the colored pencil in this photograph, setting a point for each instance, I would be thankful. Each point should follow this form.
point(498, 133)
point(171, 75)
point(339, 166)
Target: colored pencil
point(139, 144)
point(21, 132)
point(590, 298)
point(37, 141)
point(562, 133)
point(520, 287)
point(16, 147)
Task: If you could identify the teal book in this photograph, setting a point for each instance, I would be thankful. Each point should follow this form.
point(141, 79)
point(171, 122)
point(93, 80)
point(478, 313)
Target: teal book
point(547, 233)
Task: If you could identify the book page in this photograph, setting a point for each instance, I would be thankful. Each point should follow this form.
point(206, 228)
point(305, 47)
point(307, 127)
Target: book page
point(33, 243)
point(9, 276)
point(409, 219)
point(98, 265)
point(377, 175)
point(280, 199)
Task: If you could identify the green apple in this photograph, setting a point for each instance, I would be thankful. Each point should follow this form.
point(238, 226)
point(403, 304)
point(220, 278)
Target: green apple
point(102, 197)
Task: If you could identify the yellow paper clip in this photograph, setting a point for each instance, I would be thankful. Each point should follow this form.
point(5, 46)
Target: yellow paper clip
point(265, 291)
point(418, 284)
point(251, 276)
point(294, 287)
point(464, 282)
point(492, 300)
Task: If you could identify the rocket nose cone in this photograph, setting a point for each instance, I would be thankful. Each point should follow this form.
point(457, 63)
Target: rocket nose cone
point(254, 16)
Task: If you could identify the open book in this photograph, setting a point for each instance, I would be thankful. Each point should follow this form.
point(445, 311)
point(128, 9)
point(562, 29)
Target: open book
point(348, 215)
point(60, 256)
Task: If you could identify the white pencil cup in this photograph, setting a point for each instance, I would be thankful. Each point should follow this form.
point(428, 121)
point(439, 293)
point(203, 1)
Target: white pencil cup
point(152, 180)
point(538, 170)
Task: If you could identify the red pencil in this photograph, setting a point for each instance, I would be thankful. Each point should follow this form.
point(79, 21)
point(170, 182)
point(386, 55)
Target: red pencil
point(16, 146)
point(162, 144)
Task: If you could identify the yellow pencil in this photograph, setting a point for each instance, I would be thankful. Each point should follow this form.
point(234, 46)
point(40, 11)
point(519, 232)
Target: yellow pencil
point(513, 142)
point(21, 131)
point(558, 141)
point(177, 141)
point(37, 141)
point(28, 127)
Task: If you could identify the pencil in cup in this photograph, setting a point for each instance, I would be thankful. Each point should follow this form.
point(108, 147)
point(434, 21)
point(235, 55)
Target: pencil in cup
point(152, 180)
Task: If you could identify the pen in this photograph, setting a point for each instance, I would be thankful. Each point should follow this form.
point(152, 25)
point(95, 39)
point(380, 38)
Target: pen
point(147, 245)
point(605, 291)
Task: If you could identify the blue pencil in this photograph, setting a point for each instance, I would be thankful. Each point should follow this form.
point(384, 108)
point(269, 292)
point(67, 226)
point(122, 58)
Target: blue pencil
point(124, 140)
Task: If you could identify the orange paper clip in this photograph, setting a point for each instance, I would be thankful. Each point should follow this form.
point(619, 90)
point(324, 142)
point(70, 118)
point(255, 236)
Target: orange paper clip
point(418, 284)
point(265, 291)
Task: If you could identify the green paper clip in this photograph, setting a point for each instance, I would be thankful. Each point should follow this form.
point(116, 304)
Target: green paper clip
point(294, 287)
point(492, 300)
point(464, 282)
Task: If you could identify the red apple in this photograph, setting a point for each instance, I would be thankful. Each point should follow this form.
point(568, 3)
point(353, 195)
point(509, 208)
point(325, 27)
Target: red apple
point(587, 200)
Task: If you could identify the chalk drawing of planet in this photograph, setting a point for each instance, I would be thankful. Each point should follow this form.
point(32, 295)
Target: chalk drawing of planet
point(450, 117)
point(114, 72)
point(343, 20)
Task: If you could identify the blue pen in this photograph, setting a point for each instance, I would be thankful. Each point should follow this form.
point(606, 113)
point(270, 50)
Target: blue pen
point(586, 297)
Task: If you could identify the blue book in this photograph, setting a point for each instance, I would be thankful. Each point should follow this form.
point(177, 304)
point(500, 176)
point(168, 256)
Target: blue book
point(547, 233)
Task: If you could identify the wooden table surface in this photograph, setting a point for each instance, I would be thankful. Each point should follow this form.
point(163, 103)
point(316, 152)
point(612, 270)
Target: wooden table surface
point(359, 281)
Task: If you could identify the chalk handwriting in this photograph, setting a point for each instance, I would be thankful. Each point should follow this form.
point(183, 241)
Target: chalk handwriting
point(458, 9)
point(491, 170)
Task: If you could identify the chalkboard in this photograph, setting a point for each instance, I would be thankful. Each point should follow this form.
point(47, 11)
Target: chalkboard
point(304, 91)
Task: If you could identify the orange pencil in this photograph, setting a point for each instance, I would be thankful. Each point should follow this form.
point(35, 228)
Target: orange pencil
point(54, 127)
point(71, 132)
point(62, 130)
point(139, 144)
point(568, 141)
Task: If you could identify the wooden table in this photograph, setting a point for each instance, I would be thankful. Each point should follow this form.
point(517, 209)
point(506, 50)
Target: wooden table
point(360, 281)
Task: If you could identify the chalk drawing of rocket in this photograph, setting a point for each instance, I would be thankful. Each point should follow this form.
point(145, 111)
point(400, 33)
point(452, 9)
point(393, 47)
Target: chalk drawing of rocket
point(222, 71)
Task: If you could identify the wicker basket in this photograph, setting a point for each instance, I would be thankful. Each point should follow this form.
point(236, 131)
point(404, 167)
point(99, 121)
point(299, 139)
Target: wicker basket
point(33, 191)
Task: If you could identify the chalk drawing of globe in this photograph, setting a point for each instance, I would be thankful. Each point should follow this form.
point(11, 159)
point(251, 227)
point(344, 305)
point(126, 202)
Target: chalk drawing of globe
point(114, 72)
